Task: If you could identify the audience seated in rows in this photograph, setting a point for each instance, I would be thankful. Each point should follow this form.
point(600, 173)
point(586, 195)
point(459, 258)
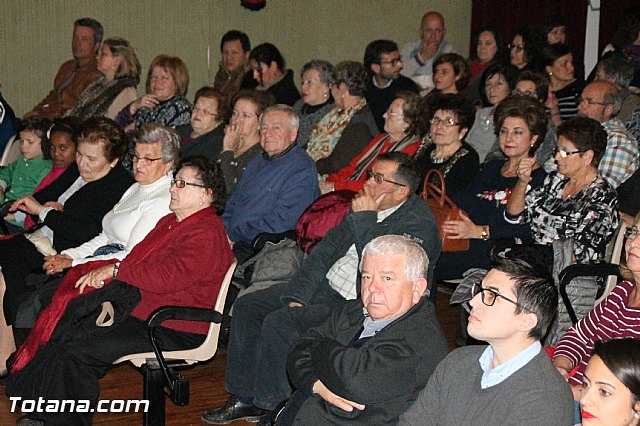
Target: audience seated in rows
point(490, 48)
point(266, 323)
point(75, 75)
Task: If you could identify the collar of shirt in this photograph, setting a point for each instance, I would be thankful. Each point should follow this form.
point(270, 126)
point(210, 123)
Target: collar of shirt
point(375, 83)
point(371, 326)
point(388, 212)
point(505, 370)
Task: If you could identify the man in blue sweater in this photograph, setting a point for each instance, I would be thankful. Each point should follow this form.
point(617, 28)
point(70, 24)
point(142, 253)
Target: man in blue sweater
point(277, 186)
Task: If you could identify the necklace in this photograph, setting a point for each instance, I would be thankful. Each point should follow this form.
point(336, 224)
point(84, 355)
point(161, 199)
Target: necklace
point(577, 190)
point(118, 210)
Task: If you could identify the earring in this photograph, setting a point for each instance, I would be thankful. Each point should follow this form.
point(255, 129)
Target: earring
point(636, 415)
point(550, 74)
point(201, 204)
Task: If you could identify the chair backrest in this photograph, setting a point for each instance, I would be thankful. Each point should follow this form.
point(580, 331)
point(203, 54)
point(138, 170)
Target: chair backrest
point(203, 352)
point(616, 245)
point(11, 152)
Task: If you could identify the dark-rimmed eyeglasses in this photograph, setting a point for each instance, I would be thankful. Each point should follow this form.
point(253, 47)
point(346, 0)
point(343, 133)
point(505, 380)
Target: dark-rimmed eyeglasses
point(179, 183)
point(392, 62)
point(489, 296)
point(379, 178)
point(631, 233)
point(516, 47)
point(564, 154)
point(145, 160)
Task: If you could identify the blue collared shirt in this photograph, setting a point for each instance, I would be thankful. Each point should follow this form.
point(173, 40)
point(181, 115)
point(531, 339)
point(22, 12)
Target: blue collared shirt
point(505, 370)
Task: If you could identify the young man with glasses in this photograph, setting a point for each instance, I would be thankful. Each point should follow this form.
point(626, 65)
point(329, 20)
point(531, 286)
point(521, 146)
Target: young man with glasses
point(601, 101)
point(383, 61)
point(511, 381)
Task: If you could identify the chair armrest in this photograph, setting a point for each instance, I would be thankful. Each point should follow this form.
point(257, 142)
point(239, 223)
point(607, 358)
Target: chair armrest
point(184, 313)
point(582, 270)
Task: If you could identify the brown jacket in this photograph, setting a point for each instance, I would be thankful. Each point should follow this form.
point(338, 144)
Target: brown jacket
point(56, 104)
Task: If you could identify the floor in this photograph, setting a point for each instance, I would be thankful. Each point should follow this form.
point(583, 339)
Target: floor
point(206, 384)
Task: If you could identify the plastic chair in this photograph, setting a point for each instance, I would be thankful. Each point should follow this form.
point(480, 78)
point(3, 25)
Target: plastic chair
point(11, 152)
point(160, 378)
point(609, 271)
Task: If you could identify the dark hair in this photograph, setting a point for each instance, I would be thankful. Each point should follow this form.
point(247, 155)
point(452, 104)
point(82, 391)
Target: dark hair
point(260, 98)
point(460, 68)
point(106, 131)
point(406, 172)
point(210, 92)
point(540, 80)
point(410, 109)
point(459, 104)
point(622, 358)
point(40, 127)
point(374, 51)
point(353, 74)
point(68, 125)
point(508, 71)
point(96, 27)
point(324, 68)
point(232, 35)
point(627, 29)
point(551, 52)
point(210, 173)
point(550, 22)
point(530, 43)
point(502, 53)
point(174, 66)
point(266, 53)
point(527, 108)
point(586, 134)
point(534, 288)
point(617, 70)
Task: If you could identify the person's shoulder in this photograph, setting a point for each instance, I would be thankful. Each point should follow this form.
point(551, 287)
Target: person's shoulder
point(465, 356)
point(405, 83)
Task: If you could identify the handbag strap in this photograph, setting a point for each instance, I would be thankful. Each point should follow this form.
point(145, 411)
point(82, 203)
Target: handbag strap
point(434, 186)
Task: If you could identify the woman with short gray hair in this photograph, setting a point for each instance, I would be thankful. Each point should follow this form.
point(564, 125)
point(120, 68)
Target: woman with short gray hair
point(316, 100)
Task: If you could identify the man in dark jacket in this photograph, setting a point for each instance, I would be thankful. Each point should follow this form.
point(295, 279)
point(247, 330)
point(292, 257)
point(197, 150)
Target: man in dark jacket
point(266, 323)
point(342, 368)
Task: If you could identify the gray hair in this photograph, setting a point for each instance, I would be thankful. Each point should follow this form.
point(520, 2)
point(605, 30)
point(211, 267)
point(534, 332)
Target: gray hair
point(617, 71)
point(294, 118)
point(613, 96)
point(155, 133)
point(416, 261)
point(324, 68)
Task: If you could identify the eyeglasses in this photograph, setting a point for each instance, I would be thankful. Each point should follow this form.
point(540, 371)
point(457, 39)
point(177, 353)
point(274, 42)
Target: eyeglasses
point(392, 62)
point(525, 93)
point(564, 154)
point(394, 114)
point(516, 47)
point(379, 178)
point(446, 122)
point(145, 160)
point(631, 233)
point(179, 183)
point(591, 101)
point(489, 296)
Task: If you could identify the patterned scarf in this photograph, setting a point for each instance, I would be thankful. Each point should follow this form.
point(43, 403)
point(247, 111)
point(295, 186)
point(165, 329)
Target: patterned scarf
point(373, 153)
point(327, 132)
point(96, 99)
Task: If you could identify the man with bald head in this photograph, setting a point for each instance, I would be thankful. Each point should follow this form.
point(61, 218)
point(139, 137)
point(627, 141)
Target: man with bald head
point(418, 57)
point(601, 101)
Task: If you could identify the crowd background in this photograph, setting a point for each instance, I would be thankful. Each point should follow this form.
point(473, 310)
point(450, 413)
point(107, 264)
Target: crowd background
point(35, 35)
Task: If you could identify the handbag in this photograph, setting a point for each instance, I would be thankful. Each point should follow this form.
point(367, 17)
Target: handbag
point(435, 195)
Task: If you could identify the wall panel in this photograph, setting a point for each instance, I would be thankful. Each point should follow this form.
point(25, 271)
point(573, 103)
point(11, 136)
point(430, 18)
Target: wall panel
point(35, 36)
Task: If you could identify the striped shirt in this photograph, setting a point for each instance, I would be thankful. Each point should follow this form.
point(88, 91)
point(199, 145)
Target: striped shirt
point(611, 319)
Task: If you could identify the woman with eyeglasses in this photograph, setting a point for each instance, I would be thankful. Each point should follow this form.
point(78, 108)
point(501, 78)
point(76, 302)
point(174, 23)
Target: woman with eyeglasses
point(575, 203)
point(401, 133)
point(617, 316)
point(520, 126)
point(523, 50)
point(444, 148)
point(205, 133)
point(241, 141)
point(181, 262)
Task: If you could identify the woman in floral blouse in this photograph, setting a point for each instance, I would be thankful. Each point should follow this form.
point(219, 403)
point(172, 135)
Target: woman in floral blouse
point(575, 203)
point(520, 125)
